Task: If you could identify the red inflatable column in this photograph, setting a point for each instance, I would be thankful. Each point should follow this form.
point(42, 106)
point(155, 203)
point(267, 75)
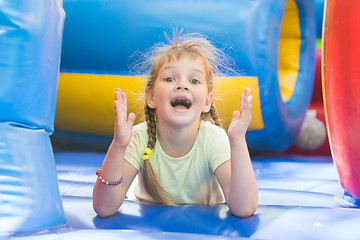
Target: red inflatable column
point(341, 89)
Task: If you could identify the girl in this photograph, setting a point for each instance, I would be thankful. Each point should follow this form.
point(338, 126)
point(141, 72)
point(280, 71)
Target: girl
point(182, 153)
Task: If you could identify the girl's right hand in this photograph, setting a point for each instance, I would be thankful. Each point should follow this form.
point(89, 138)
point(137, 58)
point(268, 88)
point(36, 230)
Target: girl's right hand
point(123, 123)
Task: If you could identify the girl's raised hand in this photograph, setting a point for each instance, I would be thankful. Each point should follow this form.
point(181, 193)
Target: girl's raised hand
point(123, 123)
point(239, 124)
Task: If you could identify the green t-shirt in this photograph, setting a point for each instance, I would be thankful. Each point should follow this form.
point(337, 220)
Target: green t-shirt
point(189, 179)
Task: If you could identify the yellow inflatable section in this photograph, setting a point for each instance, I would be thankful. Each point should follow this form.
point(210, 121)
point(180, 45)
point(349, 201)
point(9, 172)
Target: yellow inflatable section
point(87, 100)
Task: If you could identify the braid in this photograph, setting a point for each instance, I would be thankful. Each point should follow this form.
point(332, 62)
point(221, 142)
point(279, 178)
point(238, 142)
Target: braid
point(214, 116)
point(151, 183)
point(151, 126)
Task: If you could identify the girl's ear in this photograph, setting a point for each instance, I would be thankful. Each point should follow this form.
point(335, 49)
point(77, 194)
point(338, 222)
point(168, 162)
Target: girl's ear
point(150, 98)
point(208, 102)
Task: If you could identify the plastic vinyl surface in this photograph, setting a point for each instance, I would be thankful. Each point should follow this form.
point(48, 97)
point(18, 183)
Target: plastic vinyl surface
point(299, 198)
point(341, 88)
point(102, 42)
point(319, 10)
point(317, 105)
point(30, 42)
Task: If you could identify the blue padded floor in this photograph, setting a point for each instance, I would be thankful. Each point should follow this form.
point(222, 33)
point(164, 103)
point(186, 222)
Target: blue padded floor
point(299, 198)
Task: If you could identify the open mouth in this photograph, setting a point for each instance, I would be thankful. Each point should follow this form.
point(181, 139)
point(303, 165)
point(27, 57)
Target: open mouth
point(181, 103)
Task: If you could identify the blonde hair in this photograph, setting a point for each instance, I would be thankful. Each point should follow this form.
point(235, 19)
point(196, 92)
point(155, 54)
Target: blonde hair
point(215, 61)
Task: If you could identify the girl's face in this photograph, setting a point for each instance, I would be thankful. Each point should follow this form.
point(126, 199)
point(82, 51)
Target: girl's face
point(180, 93)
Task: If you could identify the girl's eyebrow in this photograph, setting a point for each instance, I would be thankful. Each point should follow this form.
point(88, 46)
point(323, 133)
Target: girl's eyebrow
point(172, 67)
point(167, 68)
point(198, 70)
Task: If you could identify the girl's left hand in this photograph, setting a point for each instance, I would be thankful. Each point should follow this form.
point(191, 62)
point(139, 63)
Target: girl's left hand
point(239, 124)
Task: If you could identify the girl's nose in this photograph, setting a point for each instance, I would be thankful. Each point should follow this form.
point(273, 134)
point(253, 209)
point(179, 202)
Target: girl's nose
point(182, 85)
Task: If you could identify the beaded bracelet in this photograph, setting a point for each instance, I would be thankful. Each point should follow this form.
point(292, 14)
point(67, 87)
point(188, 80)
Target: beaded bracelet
point(98, 172)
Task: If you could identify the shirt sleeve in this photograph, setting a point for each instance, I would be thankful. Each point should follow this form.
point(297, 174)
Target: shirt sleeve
point(134, 152)
point(219, 148)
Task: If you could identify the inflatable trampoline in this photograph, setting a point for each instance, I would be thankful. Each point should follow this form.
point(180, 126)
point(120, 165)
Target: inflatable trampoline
point(58, 75)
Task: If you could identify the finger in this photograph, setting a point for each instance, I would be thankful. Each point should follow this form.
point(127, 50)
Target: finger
point(247, 111)
point(249, 105)
point(117, 93)
point(242, 97)
point(118, 99)
point(131, 119)
point(116, 103)
point(235, 116)
point(119, 115)
point(124, 104)
point(246, 98)
point(248, 102)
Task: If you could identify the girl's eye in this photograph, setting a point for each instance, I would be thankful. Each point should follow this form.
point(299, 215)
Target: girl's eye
point(194, 81)
point(169, 79)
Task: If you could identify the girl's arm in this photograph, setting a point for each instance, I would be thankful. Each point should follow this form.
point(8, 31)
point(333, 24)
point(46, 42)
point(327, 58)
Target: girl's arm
point(107, 199)
point(236, 177)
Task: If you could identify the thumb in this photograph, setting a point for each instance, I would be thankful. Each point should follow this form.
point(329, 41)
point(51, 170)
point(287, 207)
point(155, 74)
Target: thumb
point(131, 119)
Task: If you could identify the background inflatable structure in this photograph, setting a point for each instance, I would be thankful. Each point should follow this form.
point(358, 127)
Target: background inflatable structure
point(30, 46)
point(312, 139)
point(272, 44)
point(299, 198)
point(341, 90)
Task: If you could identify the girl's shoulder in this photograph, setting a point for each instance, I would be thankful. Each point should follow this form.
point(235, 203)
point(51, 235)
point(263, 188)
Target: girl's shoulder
point(140, 130)
point(214, 142)
point(140, 127)
point(207, 128)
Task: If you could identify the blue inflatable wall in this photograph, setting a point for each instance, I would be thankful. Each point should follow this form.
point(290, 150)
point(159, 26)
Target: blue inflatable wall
point(30, 46)
point(100, 36)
